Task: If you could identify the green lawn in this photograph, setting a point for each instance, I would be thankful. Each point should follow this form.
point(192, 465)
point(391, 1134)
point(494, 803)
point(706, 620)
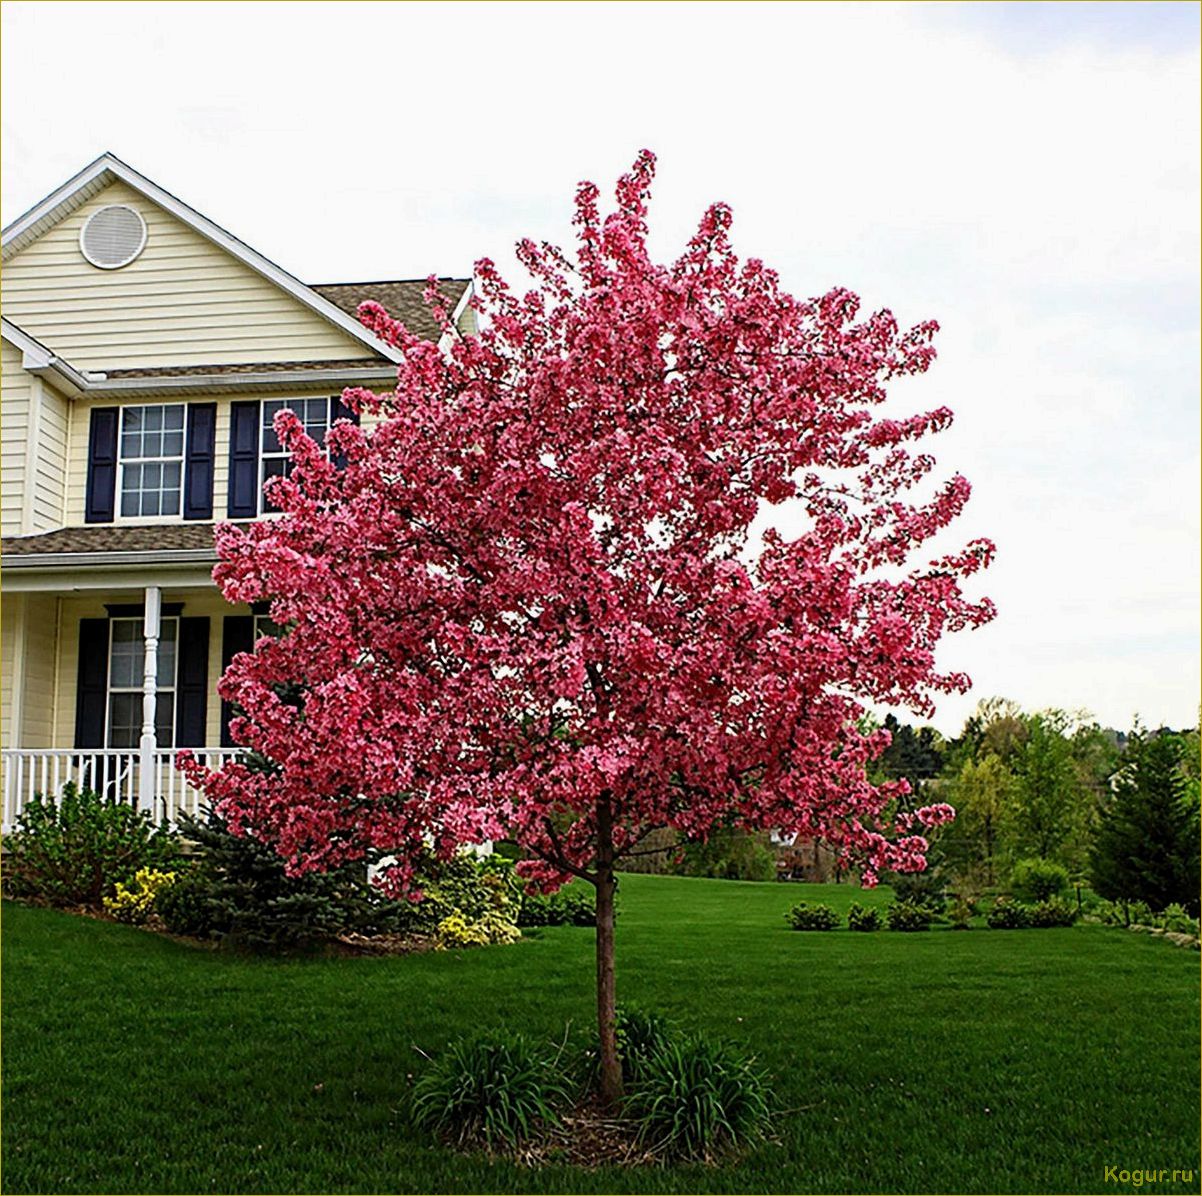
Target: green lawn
point(985, 1061)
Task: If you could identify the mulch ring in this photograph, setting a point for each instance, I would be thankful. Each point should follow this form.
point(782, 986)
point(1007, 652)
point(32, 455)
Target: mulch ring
point(588, 1136)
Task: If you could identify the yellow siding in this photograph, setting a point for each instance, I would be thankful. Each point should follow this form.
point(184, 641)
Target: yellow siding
point(208, 603)
point(15, 387)
point(9, 630)
point(38, 699)
point(54, 424)
point(183, 301)
point(28, 407)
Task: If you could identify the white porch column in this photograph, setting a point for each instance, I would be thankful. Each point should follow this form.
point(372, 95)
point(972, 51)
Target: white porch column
point(148, 744)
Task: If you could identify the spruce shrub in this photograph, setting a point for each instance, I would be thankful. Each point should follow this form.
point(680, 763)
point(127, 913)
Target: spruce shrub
point(863, 917)
point(908, 916)
point(804, 916)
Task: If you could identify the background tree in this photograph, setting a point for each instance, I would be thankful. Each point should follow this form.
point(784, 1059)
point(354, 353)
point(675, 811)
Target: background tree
point(1049, 815)
point(531, 605)
point(914, 755)
point(1146, 847)
point(981, 793)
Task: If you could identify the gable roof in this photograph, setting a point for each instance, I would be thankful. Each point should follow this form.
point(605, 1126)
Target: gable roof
point(108, 168)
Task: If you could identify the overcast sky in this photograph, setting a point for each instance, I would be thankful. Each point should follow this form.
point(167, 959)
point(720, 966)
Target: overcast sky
point(1027, 174)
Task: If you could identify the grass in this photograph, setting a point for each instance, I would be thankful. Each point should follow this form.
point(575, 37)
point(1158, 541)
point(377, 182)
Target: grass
point(986, 1061)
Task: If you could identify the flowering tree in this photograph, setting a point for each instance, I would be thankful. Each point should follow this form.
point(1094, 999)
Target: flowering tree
point(531, 605)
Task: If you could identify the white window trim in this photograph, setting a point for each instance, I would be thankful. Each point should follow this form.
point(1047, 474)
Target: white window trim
point(283, 454)
point(109, 688)
point(121, 463)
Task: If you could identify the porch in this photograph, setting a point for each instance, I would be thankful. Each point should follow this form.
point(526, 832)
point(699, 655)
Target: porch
point(110, 667)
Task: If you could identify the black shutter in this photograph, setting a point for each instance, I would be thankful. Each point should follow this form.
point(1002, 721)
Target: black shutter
point(198, 464)
point(192, 682)
point(339, 410)
point(244, 461)
point(237, 635)
point(102, 466)
point(91, 694)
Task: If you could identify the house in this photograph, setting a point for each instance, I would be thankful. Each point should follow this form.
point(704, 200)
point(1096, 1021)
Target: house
point(145, 352)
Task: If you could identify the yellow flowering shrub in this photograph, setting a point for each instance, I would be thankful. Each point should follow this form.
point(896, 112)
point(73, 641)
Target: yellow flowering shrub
point(134, 903)
point(493, 927)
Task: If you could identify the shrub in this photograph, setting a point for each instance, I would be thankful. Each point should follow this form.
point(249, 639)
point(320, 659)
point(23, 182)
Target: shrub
point(960, 915)
point(491, 927)
point(1038, 880)
point(183, 905)
point(694, 1100)
point(804, 916)
point(1047, 914)
point(570, 906)
point(135, 903)
point(239, 893)
point(863, 917)
point(1008, 915)
point(75, 850)
point(1175, 918)
point(908, 916)
point(489, 1090)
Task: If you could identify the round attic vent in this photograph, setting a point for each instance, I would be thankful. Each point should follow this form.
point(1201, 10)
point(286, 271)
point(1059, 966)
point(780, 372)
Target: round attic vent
point(112, 236)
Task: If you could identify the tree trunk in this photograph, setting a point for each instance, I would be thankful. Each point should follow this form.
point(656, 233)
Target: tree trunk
point(611, 1066)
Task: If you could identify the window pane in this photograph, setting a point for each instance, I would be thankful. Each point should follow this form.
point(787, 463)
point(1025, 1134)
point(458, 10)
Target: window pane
point(173, 417)
point(131, 419)
point(127, 631)
point(164, 719)
point(173, 444)
point(154, 418)
point(125, 720)
point(125, 662)
point(129, 504)
point(169, 631)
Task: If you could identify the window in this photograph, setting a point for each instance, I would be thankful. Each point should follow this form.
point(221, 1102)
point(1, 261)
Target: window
point(314, 414)
point(152, 457)
point(127, 660)
point(264, 626)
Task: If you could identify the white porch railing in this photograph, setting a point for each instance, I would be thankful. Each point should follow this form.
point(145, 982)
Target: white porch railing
point(31, 771)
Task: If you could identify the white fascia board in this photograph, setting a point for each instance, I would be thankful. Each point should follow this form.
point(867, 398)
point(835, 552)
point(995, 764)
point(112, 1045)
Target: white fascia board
point(444, 341)
point(331, 380)
point(57, 572)
point(42, 361)
point(92, 176)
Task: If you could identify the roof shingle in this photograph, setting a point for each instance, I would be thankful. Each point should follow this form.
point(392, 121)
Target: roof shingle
point(401, 298)
point(158, 537)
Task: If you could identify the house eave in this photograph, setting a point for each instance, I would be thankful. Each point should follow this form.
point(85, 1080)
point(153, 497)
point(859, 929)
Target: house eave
point(77, 572)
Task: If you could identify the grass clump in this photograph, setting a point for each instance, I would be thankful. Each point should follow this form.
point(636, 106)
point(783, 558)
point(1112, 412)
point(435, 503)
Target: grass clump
point(696, 1100)
point(491, 1090)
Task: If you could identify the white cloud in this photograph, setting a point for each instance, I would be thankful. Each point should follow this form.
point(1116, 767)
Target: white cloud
point(1027, 174)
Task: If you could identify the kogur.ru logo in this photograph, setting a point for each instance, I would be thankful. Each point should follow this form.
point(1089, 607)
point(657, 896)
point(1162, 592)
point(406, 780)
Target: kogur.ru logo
point(1138, 1176)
